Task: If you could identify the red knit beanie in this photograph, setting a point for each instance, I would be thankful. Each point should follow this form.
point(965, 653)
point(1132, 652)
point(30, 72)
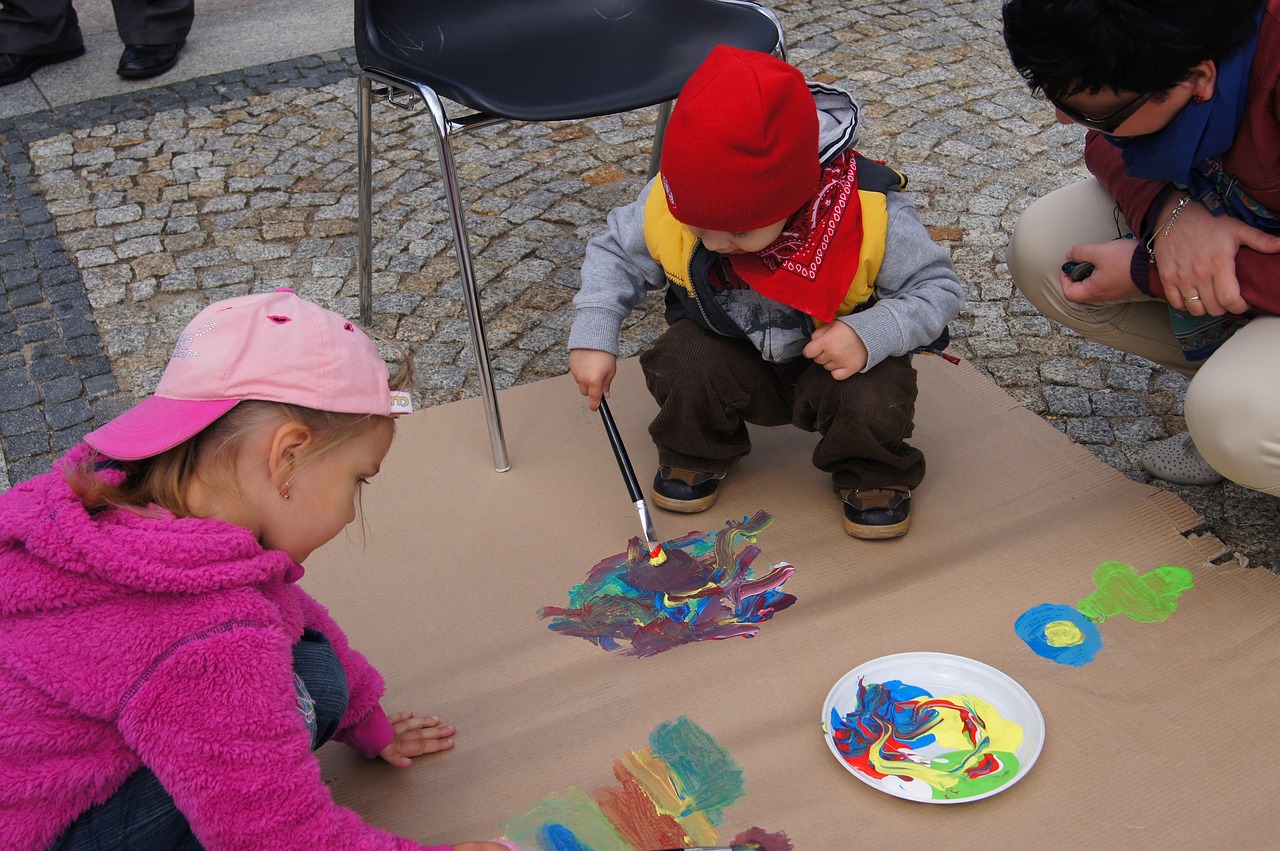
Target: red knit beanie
point(741, 148)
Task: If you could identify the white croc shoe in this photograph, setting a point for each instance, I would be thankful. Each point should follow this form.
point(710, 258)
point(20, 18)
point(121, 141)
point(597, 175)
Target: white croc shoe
point(1177, 460)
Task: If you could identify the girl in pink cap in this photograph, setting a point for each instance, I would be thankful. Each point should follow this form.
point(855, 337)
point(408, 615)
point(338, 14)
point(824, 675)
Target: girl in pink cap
point(163, 679)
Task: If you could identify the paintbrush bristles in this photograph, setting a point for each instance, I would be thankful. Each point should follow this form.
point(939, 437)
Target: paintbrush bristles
point(657, 555)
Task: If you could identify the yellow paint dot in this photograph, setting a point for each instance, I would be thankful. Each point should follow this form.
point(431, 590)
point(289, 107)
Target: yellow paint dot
point(1063, 634)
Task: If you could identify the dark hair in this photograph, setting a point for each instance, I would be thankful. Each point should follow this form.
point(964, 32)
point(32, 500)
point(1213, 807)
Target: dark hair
point(1065, 47)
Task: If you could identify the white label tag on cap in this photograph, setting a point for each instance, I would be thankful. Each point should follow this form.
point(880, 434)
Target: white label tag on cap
point(401, 403)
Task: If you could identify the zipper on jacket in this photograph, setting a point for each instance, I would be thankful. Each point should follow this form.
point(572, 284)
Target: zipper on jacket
point(693, 292)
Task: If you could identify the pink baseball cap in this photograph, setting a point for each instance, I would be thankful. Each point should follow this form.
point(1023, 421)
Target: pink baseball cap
point(275, 347)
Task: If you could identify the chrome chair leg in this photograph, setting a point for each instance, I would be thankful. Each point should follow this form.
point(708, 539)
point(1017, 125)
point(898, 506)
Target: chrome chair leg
point(462, 246)
point(659, 132)
point(470, 287)
point(364, 210)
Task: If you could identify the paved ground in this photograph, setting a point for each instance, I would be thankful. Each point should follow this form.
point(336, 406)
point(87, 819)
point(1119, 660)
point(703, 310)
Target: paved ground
point(123, 213)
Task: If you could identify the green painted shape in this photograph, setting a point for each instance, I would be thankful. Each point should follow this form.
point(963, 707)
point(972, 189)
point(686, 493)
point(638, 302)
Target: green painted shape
point(1149, 598)
point(968, 787)
point(703, 773)
point(574, 810)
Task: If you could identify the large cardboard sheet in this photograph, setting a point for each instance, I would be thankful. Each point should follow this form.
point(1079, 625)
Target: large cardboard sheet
point(1165, 739)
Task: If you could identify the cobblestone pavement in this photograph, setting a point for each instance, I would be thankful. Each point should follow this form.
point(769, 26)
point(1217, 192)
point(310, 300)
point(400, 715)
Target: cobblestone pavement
point(120, 217)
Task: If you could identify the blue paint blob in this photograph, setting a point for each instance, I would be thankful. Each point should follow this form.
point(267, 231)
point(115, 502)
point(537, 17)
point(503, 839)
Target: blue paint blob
point(557, 837)
point(1031, 625)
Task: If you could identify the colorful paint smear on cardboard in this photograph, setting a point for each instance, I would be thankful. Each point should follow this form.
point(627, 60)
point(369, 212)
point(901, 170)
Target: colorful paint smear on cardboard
point(957, 745)
point(1059, 633)
point(672, 794)
point(1069, 636)
point(705, 590)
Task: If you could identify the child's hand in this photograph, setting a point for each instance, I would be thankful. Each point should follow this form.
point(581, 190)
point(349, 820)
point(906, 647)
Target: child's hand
point(593, 369)
point(839, 350)
point(415, 737)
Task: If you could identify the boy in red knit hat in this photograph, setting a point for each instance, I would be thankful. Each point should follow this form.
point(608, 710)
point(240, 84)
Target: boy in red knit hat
point(799, 281)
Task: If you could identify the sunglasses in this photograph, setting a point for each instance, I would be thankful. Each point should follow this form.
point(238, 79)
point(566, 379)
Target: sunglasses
point(1106, 124)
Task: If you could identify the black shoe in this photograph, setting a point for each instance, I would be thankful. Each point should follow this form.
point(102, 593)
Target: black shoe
point(15, 67)
point(877, 513)
point(140, 61)
point(685, 491)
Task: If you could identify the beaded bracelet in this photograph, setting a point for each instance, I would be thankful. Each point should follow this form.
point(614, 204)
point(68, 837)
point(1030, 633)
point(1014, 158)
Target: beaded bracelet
point(1167, 227)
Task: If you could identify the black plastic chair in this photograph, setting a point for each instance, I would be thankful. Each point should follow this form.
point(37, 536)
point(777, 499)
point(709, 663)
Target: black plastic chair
point(528, 60)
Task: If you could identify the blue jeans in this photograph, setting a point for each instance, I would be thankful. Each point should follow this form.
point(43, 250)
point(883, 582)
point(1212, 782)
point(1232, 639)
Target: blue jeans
point(141, 815)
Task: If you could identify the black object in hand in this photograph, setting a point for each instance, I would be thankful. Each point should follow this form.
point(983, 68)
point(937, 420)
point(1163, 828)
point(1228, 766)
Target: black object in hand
point(1077, 271)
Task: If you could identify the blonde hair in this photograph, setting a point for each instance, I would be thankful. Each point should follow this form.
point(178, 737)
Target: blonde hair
point(161, 479)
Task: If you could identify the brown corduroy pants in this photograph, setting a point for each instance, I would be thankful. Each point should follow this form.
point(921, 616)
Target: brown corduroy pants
point(710, 387)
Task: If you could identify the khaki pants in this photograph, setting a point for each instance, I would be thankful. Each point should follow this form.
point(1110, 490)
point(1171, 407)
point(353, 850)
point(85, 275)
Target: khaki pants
point(1233, 403)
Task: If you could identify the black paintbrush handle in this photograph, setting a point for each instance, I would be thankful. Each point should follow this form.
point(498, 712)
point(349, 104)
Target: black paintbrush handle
point(620, 452)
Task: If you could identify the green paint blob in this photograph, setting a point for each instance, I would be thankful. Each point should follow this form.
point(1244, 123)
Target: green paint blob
point(575, 811)
point(1149, 598)
point(704, 773)
point(967, 787)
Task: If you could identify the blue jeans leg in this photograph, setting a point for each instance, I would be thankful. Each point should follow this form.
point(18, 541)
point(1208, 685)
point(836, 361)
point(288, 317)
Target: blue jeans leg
point(141, 815)
point(317, 668)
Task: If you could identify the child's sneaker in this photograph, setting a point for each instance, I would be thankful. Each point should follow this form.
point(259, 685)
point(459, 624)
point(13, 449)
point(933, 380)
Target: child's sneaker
point(877, 513)
point(685, 491)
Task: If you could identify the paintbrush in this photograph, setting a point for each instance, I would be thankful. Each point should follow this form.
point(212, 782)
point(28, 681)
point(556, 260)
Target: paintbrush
point(656, 555)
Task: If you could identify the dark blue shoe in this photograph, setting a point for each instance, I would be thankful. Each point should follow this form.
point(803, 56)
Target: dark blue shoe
point(877, 513)
point(685, 491)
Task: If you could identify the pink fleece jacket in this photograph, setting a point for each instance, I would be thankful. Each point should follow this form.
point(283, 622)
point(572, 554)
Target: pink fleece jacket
point(129, 641)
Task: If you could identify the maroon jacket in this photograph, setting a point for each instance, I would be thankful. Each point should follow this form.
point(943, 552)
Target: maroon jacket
point(1254, 159)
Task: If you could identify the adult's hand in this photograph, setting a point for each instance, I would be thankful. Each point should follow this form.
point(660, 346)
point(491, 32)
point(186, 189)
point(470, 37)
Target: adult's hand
point(1110, 281)
point(1197, 259)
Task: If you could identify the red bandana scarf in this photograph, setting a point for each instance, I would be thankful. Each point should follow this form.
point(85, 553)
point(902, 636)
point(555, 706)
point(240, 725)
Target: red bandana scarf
point(812, 263)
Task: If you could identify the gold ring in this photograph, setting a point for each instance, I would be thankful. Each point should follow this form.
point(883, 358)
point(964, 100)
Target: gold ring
point(1191, 298)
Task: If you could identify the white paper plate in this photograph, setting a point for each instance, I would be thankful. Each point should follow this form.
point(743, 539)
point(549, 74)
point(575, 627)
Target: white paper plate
point(932, 771)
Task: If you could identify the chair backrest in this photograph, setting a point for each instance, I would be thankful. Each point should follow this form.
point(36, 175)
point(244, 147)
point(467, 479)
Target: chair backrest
point(553, 59)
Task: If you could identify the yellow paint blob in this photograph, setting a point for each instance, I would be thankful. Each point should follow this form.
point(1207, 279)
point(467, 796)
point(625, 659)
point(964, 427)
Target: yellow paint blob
point(1063, 634)
point(1002, 734)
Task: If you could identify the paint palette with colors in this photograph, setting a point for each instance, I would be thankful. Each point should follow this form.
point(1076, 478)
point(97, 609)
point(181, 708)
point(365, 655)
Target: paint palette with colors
point(933, 727)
